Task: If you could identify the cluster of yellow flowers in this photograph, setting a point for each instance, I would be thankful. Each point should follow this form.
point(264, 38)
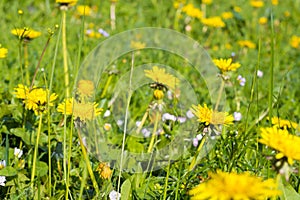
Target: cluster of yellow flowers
point(226, 65)
point(35, 99)
point(3, 52)
point(81, 108)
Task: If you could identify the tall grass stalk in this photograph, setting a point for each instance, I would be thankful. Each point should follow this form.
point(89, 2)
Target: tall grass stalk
point(49, 124)
point(271, 75)
point(130, 91)
point(35, 151)
point(65, 54)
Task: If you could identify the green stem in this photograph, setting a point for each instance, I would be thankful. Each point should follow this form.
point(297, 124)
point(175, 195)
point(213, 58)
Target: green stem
point(154, 132)
point(271, 82)
point(36, 150)
point(65, 59)
point(106, 86)
point(69, 159)
point(220, 94)
point(87, 161)
point(142, 122)
point(166, 181)
point(193, 163)
point(26, 62)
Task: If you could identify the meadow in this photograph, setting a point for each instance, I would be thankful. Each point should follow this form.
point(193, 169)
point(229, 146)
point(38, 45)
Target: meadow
point(150, 99)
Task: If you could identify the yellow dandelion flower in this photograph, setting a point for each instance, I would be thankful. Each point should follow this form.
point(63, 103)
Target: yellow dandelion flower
point(26, 33)
point(207, 2)
point(295, 41)
point(158, 94)
point(84, 10)
point(160, 76)
point(85, 88)
point(104, 171)
point(216, 22)
point(3, 52)
point(286, 144)
point(256, 3)
point(230, 186)
point(178, 3)
point(263, 20)
point(192, 11)
point(66, 107)
point(209, 116)
point(287, 14)
point(137, 45)
point(226, 65)
point(275, 2)
point(35, 99)
point(227, 15)
point(83, 111)
point(237, 9)
point(282, 123)
point(66, 3)
point(246, 43)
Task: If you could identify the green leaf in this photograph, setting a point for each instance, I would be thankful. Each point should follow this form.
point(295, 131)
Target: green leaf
point(41, 168)
point(8, 171)
point(126, 190)
point(288, 192)
point(29, 137)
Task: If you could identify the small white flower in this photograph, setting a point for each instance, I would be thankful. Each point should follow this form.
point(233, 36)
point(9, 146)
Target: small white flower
point(241, 80)
point(137, 123)
point(181, 119)
point(2, 180)
point(103, 32)
point(107, 126)
point(120, 122)
point(260, 73)
point(18, 152)
point(146, 132)
point(199, 137)
point(189, 114)
point(170, 94)
point(195, 142)
point(114, 195)
point(2, 164)
point(107, 113)
point(237, 116)
point(167, 116)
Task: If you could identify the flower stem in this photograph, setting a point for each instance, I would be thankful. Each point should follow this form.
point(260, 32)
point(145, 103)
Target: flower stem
point(142, 122)
point(154, 132)
point(65, 59)
point(106, 86)
point(26, 63)
point(36, 150)
point(220, 94)
point(87, 161)
point(113, 14)
point(193, 163)
point(166, 181)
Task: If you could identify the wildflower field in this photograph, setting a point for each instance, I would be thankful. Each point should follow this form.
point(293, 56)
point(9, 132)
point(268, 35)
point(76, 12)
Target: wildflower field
point(150, 99)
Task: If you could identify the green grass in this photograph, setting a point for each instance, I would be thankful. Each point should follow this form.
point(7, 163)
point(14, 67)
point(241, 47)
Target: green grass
point(57, 167)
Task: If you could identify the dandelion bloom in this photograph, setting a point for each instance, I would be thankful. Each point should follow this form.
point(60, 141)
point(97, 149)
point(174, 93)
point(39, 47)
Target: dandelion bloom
point(82, 111)
point(227, 15)
point(275, 2)
point(282, 123)
point(137, 45)
point(26, 33)
point(66, 2)
point(84, 10)
point(246, 43)
point(263, 20)
point(35, 99)
point(192, 11)
point(160, 76)
point(233, 186)
point(286, 144)
point(85, 88)
point(256, 3)
point(209, 116)
point(104, 170)
point(3, 52)
point(207, 2)
point(226, 65)
point(216, 22)
point(295, 41)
